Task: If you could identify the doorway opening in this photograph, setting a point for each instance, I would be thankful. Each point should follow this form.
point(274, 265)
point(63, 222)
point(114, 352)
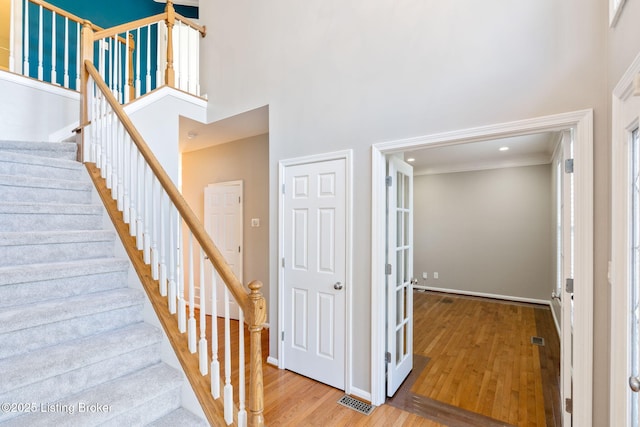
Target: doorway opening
point(580, 123)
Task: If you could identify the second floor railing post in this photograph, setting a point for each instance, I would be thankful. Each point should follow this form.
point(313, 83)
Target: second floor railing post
point(256, 317)
point(170, 75)
point(86, 54)
point(130, 82)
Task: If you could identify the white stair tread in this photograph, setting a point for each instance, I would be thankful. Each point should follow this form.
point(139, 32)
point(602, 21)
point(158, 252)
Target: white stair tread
point(19, 371)
point(15, 318)
point(179, 417)
point(56, 270)
point(36, 182)
point(54, 237)
point(50, 208)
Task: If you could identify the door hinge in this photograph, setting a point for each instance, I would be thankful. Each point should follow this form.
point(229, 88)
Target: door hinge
point(568, 166)
point(238, 199)
point(387, 357)
point(387, 269)
point(282, 262)
point(238, 249)
point(282, 338)
point(388, 180)
point(569, 286)
point(568, 405)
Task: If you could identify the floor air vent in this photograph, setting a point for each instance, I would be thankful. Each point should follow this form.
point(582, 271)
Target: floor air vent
point(537, 341)
point(356, 405)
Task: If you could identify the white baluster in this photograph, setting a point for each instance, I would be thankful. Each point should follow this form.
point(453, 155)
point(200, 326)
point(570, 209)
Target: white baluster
point(12, 26)
point(115, 159)
point(146, 250)
point(172, 265)
point(40, 46)
point(137, 68)
point(65, 79)
point(108, 146)
point(133, 180)
point(120, 171)
point(125, 84)
point(202, 349)
point(116, 68)
point(242, 412)
point(139, 189)
point(177, 63)
point(163, 248)
point(155, 261)
point(54, 75)
point(215, 364)
point(228, 388)
point(78, 56)
point(160, 47)
point(110, 53)
point(196, 54)
point(182, 304)
point(148, 76)
point(25, 65)
point(126, 173)
point(192, 299)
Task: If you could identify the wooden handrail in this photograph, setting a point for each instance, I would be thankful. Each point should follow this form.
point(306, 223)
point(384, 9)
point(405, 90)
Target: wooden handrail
point(123, 28)
point(63, 13)
point(200, 28)
point(224, 270)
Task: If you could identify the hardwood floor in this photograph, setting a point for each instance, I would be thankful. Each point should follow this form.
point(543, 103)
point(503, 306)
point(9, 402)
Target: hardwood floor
point(475, 365)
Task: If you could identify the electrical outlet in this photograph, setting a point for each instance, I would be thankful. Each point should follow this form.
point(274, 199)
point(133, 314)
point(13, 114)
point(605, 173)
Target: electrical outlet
point(424, 275)
point(255, 222)
point(435, 275)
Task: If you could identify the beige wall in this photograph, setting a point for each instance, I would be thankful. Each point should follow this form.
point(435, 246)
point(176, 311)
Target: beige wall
point(340, 74)
point(246, 160)
point(486, 231)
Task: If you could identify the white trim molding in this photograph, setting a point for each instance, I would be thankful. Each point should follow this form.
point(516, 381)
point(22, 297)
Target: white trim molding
point(625, 117)
point(582, 124)
point(347, 155)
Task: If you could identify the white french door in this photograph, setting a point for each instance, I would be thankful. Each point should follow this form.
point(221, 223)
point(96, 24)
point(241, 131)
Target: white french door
point(625, 252)
point(314, 270)
point(223, 222)
point(399, 271)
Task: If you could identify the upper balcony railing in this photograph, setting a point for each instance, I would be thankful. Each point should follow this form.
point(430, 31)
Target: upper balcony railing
point(133, 58)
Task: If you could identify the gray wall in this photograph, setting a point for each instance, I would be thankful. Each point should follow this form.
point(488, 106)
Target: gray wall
point(341, 74)
point(246, 160)
point(485, 231)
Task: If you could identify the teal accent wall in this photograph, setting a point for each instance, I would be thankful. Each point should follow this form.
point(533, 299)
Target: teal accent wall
point(107, 13)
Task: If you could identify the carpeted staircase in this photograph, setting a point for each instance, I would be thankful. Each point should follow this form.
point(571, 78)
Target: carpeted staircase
point(74, 349)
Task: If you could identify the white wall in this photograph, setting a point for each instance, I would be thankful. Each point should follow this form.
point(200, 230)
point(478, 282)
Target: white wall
point(42, 110)
point(350, 73)
point(485, 232)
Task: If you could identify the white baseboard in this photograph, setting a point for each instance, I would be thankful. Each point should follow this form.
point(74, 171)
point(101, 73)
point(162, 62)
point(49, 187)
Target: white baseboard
point(483, 294)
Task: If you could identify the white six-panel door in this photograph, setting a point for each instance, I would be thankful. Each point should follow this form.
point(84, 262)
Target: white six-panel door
point(314, 270)
point(223, 222)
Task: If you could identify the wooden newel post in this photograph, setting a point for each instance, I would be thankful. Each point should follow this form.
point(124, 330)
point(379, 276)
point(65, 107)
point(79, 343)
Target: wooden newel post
point(132, 47)
point(86, 54)
point(170, 75)
point(257, 317)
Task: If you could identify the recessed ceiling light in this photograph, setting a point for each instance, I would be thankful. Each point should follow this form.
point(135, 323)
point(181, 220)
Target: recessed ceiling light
point(504, 148)
point(411, 159)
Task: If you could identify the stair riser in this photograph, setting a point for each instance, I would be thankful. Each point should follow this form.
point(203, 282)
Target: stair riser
point(40, 171)
point(11, 222)
point(52, 154)
point(59, 387)
point(60, 252)
point(30, 292)
point(25, 340)
point(148, 412)
point(10, 193)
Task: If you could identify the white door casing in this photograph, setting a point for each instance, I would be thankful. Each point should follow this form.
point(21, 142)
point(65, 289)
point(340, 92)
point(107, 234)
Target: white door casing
point(223, 221)
point(581, 122)
point(567, 305)
point(315, 279)
point(400, 273)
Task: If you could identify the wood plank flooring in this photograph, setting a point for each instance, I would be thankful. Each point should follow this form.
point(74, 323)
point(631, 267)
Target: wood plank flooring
point(480, 369)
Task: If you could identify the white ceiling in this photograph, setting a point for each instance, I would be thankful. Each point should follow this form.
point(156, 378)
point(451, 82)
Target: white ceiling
point(524, 150)
point(195, 135)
